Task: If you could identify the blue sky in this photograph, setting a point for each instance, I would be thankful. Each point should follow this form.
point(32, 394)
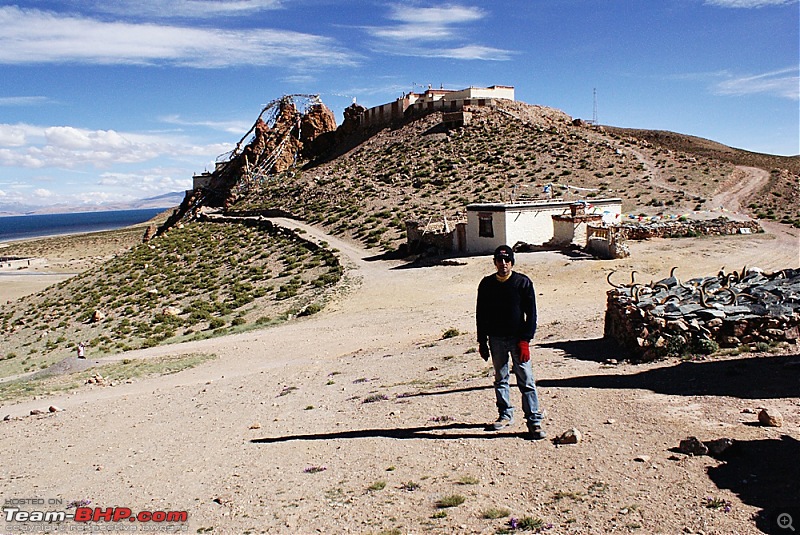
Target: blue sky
point(111, 101)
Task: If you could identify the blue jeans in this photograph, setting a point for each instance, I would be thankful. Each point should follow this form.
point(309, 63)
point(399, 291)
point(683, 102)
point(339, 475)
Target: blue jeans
point(501, 347)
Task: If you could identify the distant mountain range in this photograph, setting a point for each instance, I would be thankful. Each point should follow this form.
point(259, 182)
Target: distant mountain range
point(166, 200)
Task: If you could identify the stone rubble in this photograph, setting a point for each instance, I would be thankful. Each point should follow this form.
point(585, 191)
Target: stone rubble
point(672, 318)
point(694, 446)
point(679, 228)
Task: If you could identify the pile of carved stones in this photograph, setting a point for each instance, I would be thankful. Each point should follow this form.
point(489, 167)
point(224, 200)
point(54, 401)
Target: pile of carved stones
point(673, 318)
point(677, 228)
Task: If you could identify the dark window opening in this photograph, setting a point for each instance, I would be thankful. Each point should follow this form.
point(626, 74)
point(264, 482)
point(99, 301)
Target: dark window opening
point(485, 229)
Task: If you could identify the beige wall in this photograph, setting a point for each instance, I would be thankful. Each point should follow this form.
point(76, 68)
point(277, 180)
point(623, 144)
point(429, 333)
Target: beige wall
point(478, 244)
point(435, 99)
point(496, 91)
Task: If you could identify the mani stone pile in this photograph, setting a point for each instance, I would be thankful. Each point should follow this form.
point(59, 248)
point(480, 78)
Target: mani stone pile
point(679, 228)
point(674, 318)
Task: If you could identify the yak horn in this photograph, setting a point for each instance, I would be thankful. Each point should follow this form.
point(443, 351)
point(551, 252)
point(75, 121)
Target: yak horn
point(661, 285)
point(732, 300)
point(669, 298)
point(703, 297)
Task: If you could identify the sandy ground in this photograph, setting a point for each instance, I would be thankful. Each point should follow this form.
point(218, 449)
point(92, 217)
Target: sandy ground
point(359, 419)
point(15, 285)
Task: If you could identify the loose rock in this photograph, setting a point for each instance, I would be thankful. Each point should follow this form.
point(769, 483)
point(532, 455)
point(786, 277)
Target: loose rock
point(770, 418)
point(573, 436)
point(718, 446)
point(693, 446)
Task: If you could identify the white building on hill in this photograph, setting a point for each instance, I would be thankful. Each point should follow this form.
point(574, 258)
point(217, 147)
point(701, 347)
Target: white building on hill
point(436, 100)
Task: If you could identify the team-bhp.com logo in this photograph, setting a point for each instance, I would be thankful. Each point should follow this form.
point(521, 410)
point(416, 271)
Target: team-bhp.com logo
point(13, 512)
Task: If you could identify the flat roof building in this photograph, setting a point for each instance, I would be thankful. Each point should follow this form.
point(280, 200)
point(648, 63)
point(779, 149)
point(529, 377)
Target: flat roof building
point(490, 225)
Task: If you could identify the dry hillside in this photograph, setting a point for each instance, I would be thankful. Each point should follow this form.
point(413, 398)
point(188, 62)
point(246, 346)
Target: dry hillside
point(421, 171)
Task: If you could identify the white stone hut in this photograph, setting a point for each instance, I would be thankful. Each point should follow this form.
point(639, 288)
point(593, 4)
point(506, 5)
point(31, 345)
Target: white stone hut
point(490, 225)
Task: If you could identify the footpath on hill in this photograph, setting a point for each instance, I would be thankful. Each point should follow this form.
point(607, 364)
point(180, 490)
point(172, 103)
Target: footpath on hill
point(362, 418)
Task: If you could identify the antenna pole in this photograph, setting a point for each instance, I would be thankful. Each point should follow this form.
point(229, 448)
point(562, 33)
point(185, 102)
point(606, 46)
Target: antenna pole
point(594, 107)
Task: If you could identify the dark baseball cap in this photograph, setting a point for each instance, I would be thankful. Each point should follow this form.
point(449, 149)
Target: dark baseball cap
point(504, 252)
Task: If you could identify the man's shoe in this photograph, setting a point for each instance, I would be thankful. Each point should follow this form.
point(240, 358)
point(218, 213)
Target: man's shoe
point(536, 433)
point(502, 423)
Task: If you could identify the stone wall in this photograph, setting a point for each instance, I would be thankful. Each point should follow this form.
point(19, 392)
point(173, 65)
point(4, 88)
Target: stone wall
point(677, 228)
point(432, 236)
point(673, 318)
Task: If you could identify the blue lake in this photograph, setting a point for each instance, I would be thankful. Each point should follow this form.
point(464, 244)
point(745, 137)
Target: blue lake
point(35, 226)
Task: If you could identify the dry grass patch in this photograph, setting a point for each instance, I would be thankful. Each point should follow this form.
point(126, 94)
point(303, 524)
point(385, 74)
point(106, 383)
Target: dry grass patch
point(116, 372)
point(195, 282)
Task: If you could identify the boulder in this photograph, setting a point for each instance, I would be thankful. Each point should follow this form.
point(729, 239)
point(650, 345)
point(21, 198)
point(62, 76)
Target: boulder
point(573, 436)
point(317, 121)
point(770, 417)
point(718, 446)
point(693, 446)
point(149, 233)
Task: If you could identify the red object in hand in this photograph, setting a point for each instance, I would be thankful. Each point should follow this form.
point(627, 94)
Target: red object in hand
point(524, 351)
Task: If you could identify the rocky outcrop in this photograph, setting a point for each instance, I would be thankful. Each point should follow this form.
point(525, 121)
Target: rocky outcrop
point(671, 318)
point(273, 148)
point(352, 118)
point(316, 122)
point(149, 232)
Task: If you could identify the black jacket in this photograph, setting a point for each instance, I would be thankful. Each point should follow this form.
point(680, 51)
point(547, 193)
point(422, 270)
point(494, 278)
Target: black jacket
point(506, 308)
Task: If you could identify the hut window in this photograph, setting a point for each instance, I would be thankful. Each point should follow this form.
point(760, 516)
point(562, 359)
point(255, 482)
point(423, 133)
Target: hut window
point(485, 229)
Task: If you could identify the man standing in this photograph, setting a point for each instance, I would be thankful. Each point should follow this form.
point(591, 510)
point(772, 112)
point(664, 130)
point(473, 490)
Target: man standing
point(506, 320)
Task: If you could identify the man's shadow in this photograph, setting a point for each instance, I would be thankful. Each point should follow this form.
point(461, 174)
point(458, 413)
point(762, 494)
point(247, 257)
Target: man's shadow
point(436, 432)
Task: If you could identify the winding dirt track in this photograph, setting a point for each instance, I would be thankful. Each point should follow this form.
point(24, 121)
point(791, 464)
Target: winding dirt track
point(745, 183)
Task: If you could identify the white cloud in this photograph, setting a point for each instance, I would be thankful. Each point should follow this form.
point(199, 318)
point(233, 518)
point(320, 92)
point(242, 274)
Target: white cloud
point(185, 8)
point(11, 158)
point(748, 3)
point(436, 16)
point(12, 136)
point(67, 147)
point(23, 101)
point(147, 182)
point(69, 138)
point(469, 52)
point(33, 36)
point(425, 23)
point(41, 193)
point(429, 25)
point(782, 83)
point(231, 127)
